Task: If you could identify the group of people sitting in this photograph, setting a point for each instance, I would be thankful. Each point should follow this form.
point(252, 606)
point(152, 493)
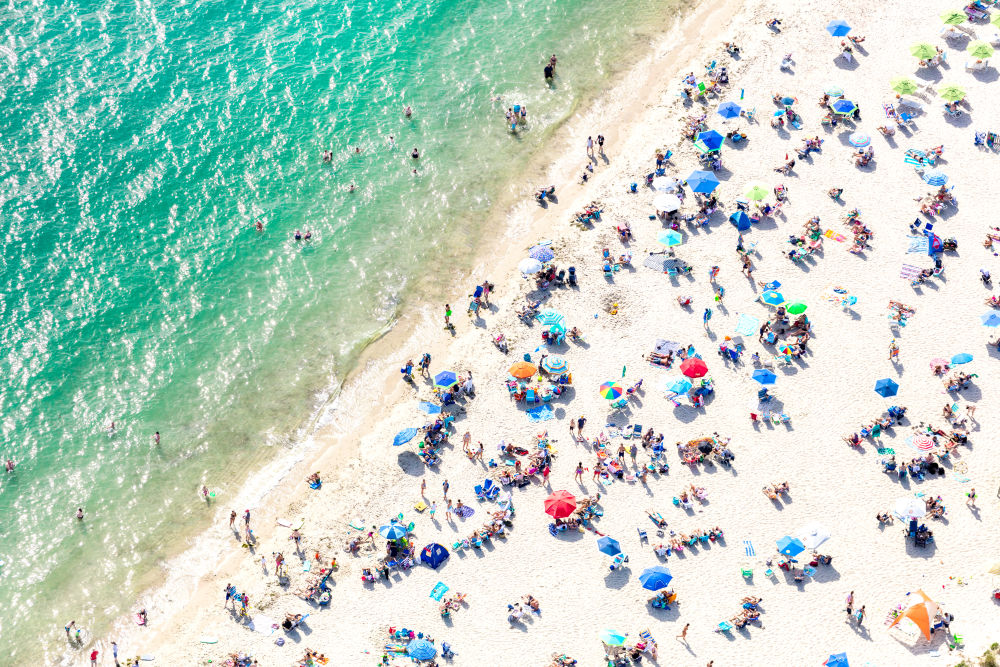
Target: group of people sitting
point(932, 203)
point(677, 541)
point(452, 603)
point(496, 527)
point(704, 450)
point(750, 612)
point(918, 467)
point(774, 490)
point(862, 233)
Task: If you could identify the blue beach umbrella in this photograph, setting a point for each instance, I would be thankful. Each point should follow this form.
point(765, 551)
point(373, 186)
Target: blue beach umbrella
point(542, 253)
point(404, 437)
point(702, 181)
point(772, 298)
point(960, 359)
point(421, 649)
point(788, 101)
point(711, 139)
point(608, 546)
point(654, 578)
point(728, 110)
point(611, 637)
point(774, 284)
point(838, 28)
point(843, 107)
point(935, 177)
point(790, 546)
point(764, 376)
point(554, 364)
point(445, 379)
point(393, 531)
point(740, 220)
point(671, 238)
point(837, 660)
point(549, 317)
point(681, 386)
point(886, 388)
point(990, 320)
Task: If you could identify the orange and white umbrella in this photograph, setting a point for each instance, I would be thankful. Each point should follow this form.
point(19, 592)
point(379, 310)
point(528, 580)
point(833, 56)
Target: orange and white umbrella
point(922, 614)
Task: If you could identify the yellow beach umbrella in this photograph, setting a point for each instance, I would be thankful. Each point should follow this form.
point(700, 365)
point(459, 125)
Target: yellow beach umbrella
point(980, 49)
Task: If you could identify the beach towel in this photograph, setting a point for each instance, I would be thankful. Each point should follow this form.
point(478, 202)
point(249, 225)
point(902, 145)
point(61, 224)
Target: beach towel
point(909, 272)
point(664, 346)
point(830, 234)
point(429, 408)
point(464, 511)
point(918, 244)
point(748, 549)
point(438, 591)
point(747, 325)
point(404, 437)
point(885, 451)
point(540, 414)
point(263, 624)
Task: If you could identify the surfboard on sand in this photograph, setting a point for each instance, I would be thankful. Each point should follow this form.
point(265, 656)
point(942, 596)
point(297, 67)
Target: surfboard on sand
point(209, 640)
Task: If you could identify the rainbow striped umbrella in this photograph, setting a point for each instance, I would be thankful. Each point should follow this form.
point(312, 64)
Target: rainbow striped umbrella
point(612, 390)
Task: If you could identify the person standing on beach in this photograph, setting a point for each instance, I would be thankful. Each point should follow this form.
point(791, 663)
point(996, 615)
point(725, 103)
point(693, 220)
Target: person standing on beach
point(93, 657)
point(706, 316)
point(970, 499)
point(600, 144)
point(579, 424)
point(860, 615)
point(423, 487)
point(579, 472)
point(425, 364)
point(114, 652)
point(434, 509)
point(447, 316)
point(850, 603)
point(246, 519)
point(444, 485)
point(232, 519)
point(633, 451)
point(447, 512)
point(590, 147)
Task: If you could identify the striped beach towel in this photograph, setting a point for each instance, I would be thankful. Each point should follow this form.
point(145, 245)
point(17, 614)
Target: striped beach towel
point(748, 549)
point(909, 272)
point(918, 244)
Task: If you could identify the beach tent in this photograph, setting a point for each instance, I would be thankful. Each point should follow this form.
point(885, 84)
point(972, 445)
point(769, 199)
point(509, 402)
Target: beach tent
point(740, 220)
point(886, 388)
point(609, 546)
point(789, 546)
point(654, 578)
point(922, 614)
point(421, 649)
point(433, 554)
point(836, 660)
point(560, 504)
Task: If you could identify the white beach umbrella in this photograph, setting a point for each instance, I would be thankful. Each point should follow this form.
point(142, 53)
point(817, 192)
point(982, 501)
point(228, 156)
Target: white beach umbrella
point(529, 265)
point(666, 202)
point(813, 535)
point(909, 508)
point(665, 184)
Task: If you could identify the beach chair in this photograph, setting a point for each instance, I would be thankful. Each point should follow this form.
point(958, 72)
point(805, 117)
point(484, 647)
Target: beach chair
point(724, 626)
point(530, 396)
point(980, 139)
point(642, 535)
point(620, 403)
point(637, 430)
point(490, 489)
point(746, 571)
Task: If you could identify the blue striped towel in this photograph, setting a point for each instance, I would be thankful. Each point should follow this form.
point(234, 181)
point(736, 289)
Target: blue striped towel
point(748, 548)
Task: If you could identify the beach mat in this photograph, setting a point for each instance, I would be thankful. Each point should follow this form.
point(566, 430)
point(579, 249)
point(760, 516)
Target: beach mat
point(438, 591)
point(918, 245)
point(429, 408)
point(664, 346)
point(540, 414)
point(747, 325)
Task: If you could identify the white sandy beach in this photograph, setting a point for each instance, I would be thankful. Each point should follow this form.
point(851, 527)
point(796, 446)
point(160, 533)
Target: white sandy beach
point(827, 393)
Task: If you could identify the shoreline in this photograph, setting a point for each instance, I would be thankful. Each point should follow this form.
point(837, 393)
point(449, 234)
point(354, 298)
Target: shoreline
point(323, 439)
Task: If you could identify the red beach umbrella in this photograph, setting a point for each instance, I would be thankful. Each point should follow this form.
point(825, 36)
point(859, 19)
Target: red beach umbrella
point(560, 504)
point(694, 368)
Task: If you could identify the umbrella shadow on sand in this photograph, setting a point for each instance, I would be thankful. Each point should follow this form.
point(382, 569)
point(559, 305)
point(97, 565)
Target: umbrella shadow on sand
point(411, 464)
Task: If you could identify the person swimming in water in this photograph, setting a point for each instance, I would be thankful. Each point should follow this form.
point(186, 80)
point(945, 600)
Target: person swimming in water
point(408, 111)
point(415, 154)
point(327, 156)
point(298, 235)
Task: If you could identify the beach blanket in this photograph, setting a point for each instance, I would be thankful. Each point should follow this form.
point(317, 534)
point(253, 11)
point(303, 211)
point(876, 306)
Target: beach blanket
point(540, 414)
point(263, 624)
point(909, 272)
point(661, 262)
point(438, 591)
point(429, 408)
point(748, 549)
point(464, 511)
point(404, 437)
point(747, 325)
point(830, 234)
point(918, 244)
point(664, 346)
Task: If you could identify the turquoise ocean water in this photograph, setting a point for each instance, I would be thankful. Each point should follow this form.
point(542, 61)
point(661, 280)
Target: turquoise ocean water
point(140, 142)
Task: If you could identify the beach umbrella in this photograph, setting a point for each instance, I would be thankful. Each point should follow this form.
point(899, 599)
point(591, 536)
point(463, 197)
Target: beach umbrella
point(990, 320)
point(557, 328)
point(393, 531)
point(922, 614)
point(960, 359)
point(836, 660)
point(886, 388)
point(404, 437)
point(670, 238)
point(554, 364)
point(922, 443)
point(681, 386)
point(541, 253)
point(666, 202)
point(702, 181)
point(843, 107)
point(935, 177)
point(764, 376)
point(611, 390)
point(433, 554)
point(813, 535)
point(995, 20)
point(923, 50)
point(529, 265)
point(788, 101)
point(980, 49)
point(994, 569)
point(608, 546)
point(790, 546)
point(548, 317)
point(834, 91)
point(711, 139)
point(772, 298)
point(522, 370)
point(838, 28)
point(796, 308)
point(953, 18)
point(951, 92)
point(694, 368)
point(903, 85)
point(654, 578)
point(612, 637)
point(908, 507)
point(445, 379)
point(664, 184)
point(728, 110)
point(740, 220)
point(859, 139)
point(560, 504)
point(421, 649)
point(756, 192)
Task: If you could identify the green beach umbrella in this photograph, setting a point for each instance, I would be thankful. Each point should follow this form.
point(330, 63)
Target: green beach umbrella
point(951, 92)
point(923, 50)
point(903, 85)
point(980, 49)
point(953, 18)
point(756, 192)
point(796, 308)
point(995, 20)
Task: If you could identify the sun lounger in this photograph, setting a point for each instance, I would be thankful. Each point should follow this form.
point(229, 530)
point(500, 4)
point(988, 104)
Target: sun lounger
point(642, 535)
point(746, 571)
point(724, 626)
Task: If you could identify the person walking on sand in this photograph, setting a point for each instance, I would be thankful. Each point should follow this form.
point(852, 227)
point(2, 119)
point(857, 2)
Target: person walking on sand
point(114, 652)
point(970, 499)
point(600, 143)
point(850, 603)
point(580, 422)
point(444, 485)
point(434, 509)
point(246, 519)
point(579, 472)
point(859, 616)
point(447, 512)
point(232, 519)
point(423, 488)
point(93, 657)
point(684, 633)
point(447, 316)
point(590, 147)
